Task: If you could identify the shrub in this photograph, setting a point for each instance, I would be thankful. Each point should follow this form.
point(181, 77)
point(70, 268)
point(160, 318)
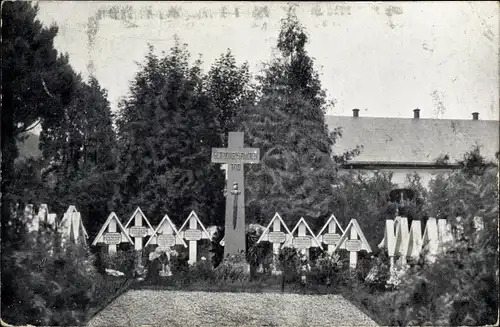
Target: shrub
point(123, 260)
point(461, 287)
point(51, 285)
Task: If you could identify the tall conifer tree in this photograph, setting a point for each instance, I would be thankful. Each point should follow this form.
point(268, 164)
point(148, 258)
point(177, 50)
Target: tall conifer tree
point(167, 128)
point(298, 169)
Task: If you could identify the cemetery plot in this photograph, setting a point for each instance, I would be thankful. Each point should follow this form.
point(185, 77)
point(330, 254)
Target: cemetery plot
point(193, 234)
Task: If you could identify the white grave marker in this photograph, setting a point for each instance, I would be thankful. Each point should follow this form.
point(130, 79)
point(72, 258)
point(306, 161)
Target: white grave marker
point(303, 241)
point(109, 234)
point(193, 234)
point(71, 226)
point(51, 219)
point(43, 211)
point(415, 240)
point(478, 227)
point(32, 219)
point(276, 237)
point(331, 233)
point(166, 234)
point(431, 239)
point(357, 242)
point(138, 232)
point(402, 238)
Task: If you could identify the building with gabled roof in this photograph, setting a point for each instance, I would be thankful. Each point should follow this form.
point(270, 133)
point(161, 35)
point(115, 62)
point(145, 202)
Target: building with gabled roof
point(406, 145)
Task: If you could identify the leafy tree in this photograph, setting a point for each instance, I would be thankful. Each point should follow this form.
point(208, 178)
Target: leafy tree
point(460, 184)
point(297, 168)
point(167, 128)
point(461, 287)
point(36, 83)
point(230, 88)
point(78, 148)
point(366, 199)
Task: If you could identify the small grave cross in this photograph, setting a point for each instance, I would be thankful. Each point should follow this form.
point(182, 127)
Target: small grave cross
point(235, 155)
point(192, 230)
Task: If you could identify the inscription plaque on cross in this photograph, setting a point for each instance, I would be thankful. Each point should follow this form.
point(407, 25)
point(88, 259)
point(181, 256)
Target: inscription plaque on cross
point(235, 156)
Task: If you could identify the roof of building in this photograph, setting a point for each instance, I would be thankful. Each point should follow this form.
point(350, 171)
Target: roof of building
point(414, 141)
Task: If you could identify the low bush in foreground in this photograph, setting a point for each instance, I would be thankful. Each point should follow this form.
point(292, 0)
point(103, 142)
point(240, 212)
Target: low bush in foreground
point(46, 284)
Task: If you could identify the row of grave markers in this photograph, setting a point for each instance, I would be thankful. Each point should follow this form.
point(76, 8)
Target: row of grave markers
point(138, 228)
point(71, 225)
point(401, 240)
point(405, 242)
point(302, 238)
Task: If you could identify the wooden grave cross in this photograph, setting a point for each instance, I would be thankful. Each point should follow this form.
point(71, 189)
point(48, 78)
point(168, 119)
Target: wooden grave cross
point(166, 234)
point(332, 236)
point(193, 234)
point(430, 240)
point(235, 156)
point(303, 241)
point(276, 237)
point(72, 228)
point(109, 234)
point(138, 232)
point(355, 241)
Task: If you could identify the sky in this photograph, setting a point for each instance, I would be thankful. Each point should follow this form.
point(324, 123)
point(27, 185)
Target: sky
point(384, 58)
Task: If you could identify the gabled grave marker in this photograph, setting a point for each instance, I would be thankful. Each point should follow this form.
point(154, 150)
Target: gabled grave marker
point(43, 211)
point(276, 237)
point(32, 219)
point(402, 238)
point(109, 235)
point(166, 234)
point(431, 239)
point(302, 241)
point(51, 219)
point(355, 241)
point(415, 240)
point(72, 228)
point(137, 231)
point(389, 241)
point(331, 233)
point(193, 234)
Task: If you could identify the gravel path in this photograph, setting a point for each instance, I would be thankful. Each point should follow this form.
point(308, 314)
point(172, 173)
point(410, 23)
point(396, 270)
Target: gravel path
point(175, 308)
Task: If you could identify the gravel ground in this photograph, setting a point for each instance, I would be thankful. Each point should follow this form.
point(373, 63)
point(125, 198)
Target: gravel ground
point(175, 308)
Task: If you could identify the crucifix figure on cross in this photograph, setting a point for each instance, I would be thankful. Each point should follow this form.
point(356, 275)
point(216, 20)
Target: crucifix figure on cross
point(235, 192)
point(235, 156)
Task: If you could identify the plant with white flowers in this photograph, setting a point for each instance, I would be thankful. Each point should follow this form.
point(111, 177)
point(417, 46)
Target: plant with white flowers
point(163, 254)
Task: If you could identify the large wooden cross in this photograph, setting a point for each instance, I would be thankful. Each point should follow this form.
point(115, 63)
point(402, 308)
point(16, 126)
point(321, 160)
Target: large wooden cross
point(235, 155)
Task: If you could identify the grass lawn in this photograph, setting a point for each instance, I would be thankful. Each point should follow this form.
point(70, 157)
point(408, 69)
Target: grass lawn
point(181, 308)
